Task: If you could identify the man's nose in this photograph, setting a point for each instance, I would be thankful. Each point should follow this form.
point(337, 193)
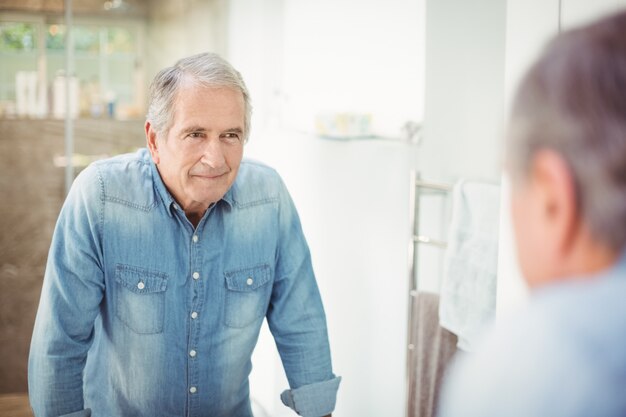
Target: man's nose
point(213, 154)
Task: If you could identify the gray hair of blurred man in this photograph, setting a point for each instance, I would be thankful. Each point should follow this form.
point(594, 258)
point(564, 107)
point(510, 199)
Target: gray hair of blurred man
point(208, 70)
point(573, 102)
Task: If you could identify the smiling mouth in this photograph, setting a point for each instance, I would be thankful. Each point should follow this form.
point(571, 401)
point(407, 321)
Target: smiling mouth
point(209, 176)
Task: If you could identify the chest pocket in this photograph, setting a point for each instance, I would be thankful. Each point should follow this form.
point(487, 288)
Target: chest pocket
point(248, 292)
point(140, 298)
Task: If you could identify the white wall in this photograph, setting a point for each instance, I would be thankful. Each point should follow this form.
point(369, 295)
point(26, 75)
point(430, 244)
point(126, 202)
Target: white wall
point(299, 58)
point(303, 58)
point(176, 29)
point(354, 55)
point(577, 12)
point(464, 89)
point(522, 48)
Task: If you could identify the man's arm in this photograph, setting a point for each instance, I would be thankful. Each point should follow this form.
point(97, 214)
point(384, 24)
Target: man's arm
point(72, 291)
point(298, 323)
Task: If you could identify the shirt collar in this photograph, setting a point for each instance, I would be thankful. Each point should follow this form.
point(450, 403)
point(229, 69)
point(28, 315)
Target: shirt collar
point(159, 185)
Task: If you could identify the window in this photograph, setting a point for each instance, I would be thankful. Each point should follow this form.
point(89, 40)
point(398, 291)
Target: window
point(18, 52)
point(106, 61)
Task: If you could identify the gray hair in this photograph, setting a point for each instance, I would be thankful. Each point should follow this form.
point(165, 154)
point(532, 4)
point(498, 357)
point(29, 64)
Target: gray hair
point(208, 69)
point(573, 101)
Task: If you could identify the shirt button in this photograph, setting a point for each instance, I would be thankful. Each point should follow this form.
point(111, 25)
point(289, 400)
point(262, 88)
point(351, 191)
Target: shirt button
point(195, 238)
point(194, 315)
point(196, 275)
point(141, 285)
point(193, 390)
point(249, 281)
point(192, 353)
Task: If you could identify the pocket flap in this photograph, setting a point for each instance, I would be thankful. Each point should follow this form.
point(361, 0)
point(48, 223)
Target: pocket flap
point(247, 279)
point(140, 280)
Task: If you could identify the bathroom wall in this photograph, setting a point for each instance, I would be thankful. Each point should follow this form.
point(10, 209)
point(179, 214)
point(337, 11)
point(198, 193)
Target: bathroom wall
point(301, 58)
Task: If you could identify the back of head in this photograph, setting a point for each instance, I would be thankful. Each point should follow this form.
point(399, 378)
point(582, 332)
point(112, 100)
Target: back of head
point(573, 101)
point(208, 70)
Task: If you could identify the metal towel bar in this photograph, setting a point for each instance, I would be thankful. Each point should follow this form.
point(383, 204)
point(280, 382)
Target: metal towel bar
point(418, 188)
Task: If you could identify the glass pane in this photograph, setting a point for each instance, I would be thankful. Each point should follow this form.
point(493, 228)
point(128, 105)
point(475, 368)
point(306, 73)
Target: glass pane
point(17, 37)
point(55, 37)
point(120, 40)
point(87, 39)
point(121, 72)
point(18, 59)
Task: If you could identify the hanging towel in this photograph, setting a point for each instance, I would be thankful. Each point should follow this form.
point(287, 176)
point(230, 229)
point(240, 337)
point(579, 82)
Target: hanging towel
point(468, 289)
point(428, 361)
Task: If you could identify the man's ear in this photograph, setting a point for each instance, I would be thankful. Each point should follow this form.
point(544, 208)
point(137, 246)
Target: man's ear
point(556, 191)
point(152, 142)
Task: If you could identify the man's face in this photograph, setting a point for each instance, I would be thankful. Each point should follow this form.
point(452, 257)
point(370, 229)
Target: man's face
point(199, 158)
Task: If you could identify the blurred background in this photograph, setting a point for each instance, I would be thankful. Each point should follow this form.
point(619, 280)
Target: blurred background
point(349, 96)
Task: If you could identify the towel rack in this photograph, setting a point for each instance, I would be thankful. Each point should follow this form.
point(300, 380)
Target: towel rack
point(418, 188)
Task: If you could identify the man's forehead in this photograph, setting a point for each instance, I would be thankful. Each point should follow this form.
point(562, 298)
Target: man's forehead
point(192, 110)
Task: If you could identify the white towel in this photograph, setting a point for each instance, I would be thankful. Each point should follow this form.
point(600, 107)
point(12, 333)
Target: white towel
point(468, 289)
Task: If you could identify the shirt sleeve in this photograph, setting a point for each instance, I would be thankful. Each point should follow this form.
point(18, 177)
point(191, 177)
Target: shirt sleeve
point(71, 294)
point(297, 321)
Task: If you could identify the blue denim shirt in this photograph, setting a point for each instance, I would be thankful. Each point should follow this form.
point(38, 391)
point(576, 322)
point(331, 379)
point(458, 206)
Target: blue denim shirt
point(143, 315)
point(563, 355)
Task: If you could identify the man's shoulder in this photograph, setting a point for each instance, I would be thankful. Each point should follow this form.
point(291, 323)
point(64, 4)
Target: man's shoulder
point(252, 167)
point(555, 353)
point(256, 183)
point(125, 179)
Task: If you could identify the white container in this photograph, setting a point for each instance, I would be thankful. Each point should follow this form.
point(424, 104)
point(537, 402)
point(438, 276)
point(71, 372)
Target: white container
point(59, 102)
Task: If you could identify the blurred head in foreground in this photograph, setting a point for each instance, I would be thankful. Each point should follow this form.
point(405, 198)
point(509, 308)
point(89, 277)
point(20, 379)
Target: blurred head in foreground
point(562, 355)
point(567, 154)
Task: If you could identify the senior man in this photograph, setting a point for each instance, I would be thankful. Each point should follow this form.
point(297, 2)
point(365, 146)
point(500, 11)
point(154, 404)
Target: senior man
point(565, 354)
point(164, 264)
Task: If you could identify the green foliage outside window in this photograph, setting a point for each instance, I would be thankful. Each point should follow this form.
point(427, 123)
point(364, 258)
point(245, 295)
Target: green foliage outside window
point(17, 37)
point(86, 38)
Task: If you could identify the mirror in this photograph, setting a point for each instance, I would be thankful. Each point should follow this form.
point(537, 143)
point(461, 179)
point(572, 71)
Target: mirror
point(339, 91)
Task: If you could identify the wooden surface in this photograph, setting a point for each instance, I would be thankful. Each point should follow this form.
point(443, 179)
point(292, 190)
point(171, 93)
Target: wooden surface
point(32, 190)
point(14, 405)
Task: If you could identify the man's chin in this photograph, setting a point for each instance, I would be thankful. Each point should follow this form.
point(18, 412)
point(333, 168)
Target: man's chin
point(209, 198)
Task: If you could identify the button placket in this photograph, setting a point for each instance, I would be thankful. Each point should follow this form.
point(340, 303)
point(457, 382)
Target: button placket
point(196, 290)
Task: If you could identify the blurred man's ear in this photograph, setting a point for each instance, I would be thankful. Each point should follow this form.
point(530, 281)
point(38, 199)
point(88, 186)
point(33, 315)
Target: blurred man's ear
point(555, 190)
point(151, 140)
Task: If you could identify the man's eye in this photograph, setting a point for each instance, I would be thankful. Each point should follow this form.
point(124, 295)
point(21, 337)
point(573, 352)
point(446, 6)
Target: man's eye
point(231, 137)
point(195, 135)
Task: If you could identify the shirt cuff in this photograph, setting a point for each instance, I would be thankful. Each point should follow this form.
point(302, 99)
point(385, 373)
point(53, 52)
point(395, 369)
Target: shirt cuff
point(313, 400)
